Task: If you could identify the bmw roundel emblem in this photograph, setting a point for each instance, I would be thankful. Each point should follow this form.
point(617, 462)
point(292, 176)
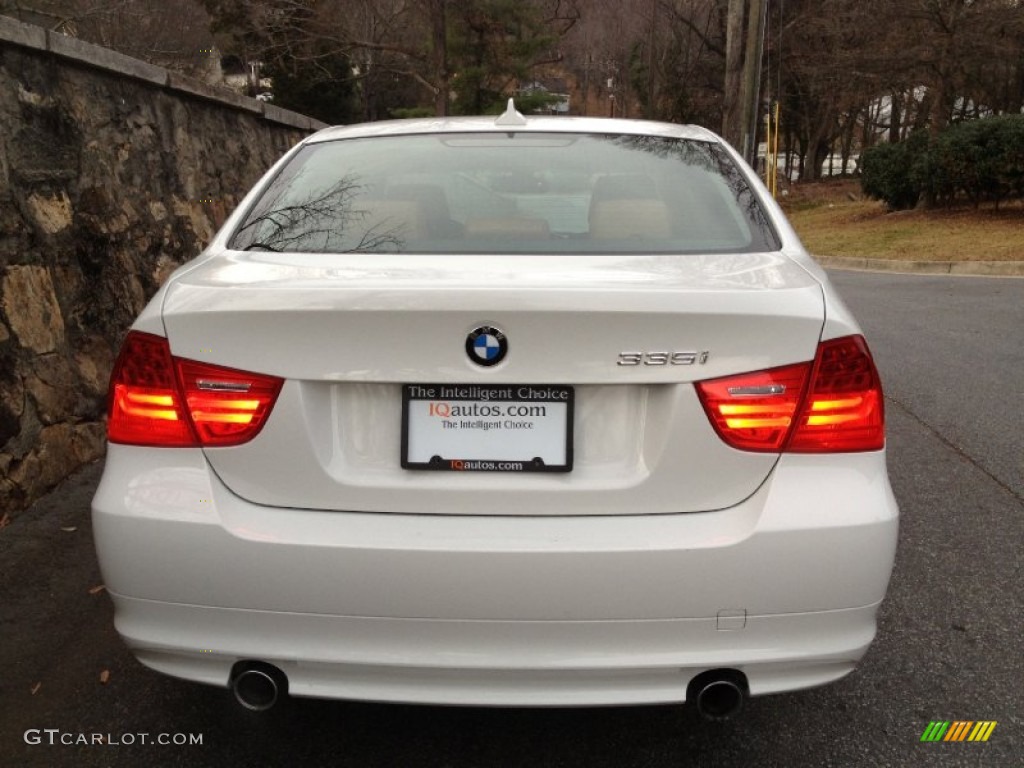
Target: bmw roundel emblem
point(486, 345)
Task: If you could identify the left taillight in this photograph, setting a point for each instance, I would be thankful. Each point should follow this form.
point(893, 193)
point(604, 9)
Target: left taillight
point(146, 407)
point(161, 401)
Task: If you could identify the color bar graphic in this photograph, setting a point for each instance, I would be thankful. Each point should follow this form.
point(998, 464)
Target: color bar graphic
point(958, 730)
point(982, 730)
point(935, 731)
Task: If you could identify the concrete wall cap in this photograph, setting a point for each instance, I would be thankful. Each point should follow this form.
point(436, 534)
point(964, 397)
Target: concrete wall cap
point(30, 36)
point(223, 95)
point(293, 119)
point(27, 35)
point(104, 58)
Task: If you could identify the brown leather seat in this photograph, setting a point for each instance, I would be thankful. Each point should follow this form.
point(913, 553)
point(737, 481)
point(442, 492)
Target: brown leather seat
point(627, 205)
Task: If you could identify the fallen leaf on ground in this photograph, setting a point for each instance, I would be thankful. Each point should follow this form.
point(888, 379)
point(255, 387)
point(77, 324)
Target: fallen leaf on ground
point(36, 687)
point(105, 676)
point(5, 520)
point(97, 589)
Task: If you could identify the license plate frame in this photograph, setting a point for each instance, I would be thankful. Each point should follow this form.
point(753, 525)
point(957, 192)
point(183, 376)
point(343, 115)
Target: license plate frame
point(492, 427)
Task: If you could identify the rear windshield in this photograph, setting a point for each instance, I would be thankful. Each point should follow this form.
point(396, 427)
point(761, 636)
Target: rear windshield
point(509, 193)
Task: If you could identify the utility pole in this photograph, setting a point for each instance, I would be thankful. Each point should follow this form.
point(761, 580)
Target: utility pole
point(439, 54)
point(751, 94)
point(744, 46)
point(651, 37)
point(731, 105)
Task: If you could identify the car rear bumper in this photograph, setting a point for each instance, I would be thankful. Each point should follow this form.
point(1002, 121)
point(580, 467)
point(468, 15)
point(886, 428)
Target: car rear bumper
point(550, 663)
point(497, 610)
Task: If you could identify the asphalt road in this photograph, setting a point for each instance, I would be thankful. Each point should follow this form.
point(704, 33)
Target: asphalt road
point(952, 359)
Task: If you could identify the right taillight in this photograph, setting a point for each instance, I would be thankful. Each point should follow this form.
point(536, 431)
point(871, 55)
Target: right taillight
point(833, 405)
point(843, 410)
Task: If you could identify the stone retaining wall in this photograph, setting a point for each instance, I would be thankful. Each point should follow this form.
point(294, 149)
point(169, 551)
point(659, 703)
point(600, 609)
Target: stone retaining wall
point(112, 172)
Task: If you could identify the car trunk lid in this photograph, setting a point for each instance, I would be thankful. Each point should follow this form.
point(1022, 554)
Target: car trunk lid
point(349, 332)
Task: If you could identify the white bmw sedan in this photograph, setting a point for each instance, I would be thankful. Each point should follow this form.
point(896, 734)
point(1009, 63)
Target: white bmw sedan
point(514, 411)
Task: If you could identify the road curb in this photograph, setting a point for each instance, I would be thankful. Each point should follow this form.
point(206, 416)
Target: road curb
point(971, 268)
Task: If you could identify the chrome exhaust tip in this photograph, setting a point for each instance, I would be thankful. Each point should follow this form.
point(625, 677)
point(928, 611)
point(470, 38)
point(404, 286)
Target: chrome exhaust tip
point(257, 686)
point(719, 693)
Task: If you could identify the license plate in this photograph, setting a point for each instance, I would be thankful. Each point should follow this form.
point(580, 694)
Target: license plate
point(487, 428)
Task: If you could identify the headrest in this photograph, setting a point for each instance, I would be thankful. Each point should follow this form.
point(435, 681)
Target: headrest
point(622, 219)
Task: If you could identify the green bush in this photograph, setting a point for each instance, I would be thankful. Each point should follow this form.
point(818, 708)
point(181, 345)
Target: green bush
point(402, 113)
point(985, 158)
point(888, 172)
point(977, 160)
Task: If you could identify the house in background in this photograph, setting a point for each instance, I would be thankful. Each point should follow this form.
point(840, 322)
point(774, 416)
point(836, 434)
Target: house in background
point(556, 88)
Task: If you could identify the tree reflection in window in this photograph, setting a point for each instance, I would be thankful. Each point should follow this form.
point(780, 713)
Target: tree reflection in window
point(338, 219)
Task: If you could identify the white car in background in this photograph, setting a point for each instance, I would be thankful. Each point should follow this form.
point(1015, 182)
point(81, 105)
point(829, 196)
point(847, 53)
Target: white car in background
point(514, 411)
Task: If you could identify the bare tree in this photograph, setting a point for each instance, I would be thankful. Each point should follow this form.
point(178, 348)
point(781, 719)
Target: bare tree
point(418, 41)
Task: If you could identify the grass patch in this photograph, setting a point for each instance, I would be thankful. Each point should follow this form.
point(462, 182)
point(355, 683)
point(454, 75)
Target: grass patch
point(834, 219)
